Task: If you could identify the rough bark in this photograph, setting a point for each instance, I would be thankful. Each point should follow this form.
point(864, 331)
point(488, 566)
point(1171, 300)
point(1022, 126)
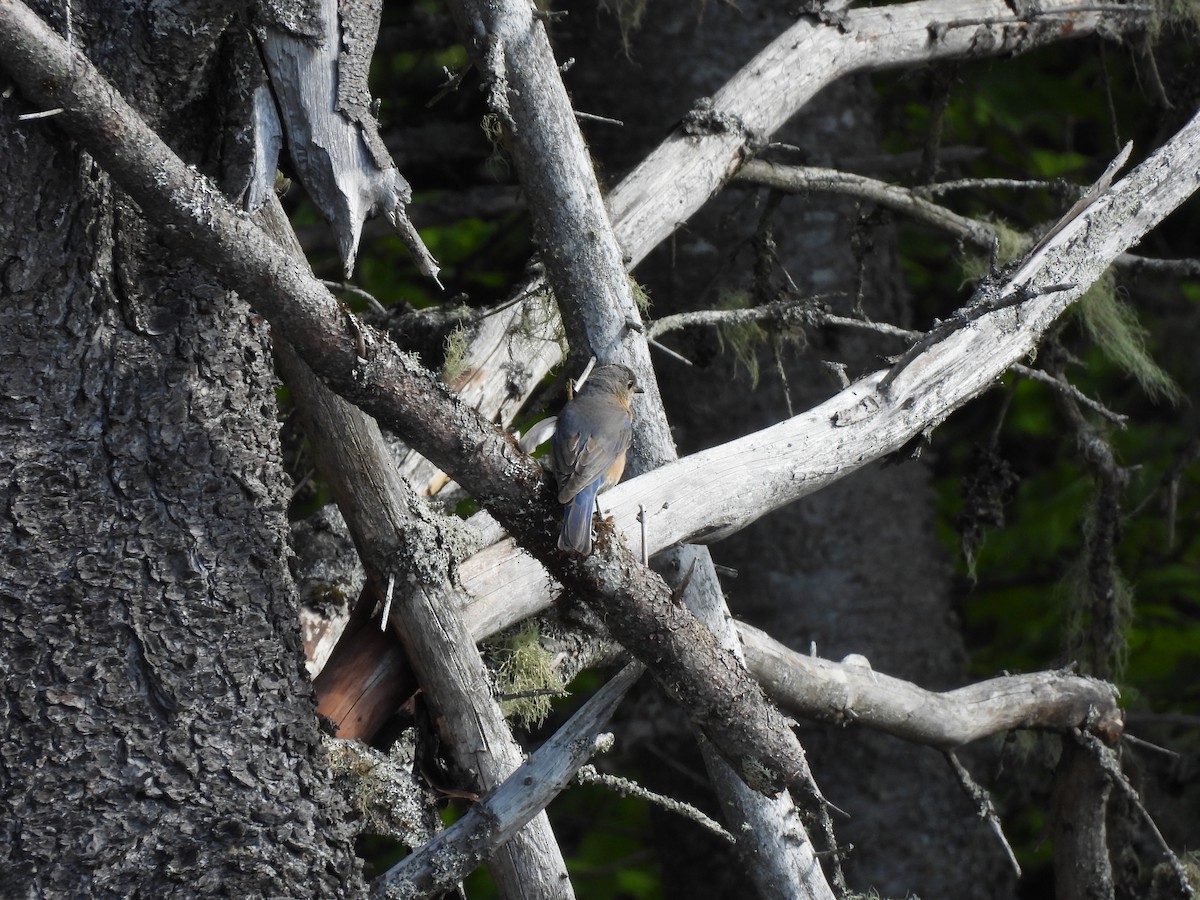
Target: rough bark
point(159, 737)
point(1082, 869)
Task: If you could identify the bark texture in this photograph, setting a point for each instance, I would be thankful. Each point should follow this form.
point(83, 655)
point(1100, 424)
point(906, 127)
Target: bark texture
point(159, 737)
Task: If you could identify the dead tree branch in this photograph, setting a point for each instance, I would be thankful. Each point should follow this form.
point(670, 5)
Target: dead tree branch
point(852, 692)
point(800, 313)
point(444, 861)
point(860, 424)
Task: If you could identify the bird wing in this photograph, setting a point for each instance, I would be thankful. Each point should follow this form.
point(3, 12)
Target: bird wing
point(581, 455)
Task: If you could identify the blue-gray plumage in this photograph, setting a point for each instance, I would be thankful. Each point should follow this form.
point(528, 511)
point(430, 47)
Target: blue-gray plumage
point(594, 430)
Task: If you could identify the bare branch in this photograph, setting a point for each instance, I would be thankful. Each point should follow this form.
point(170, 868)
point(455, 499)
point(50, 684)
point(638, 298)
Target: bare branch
point(903, 200)
point(1107, 761)
point(442, 863)
point(794, 313)
point(983, 806)
point(781, 314)
point(974, 184)
point(1039, 375)
point(914, 203)
point(861, 424)
point(1082, 867)
point(813, 688)
point(678, 177)
point(851, 691)
point(626, 788)
point(584, 264)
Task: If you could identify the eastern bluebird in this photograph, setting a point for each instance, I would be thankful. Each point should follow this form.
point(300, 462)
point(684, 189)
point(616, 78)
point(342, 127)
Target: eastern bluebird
point(594, 430)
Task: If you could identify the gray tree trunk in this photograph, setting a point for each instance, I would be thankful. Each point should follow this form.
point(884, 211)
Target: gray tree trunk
point(159, 738)
point(856, 568)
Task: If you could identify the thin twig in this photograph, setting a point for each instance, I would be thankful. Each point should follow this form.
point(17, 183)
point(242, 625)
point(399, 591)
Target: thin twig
point(452, 83)
point(579, 382)
point(44, 114)
point(1176, 268)
point(984, 807)
point(915, 203)
point(533, 693)
point(667, 350)
point(592, 117)
point(387, 602)
point(535, 285)
point(645, 542)
point(626, 788)
point(794, 179)
point(1090, 196)
point(1147, 745)
point(347, 288)
point(1069, 390)
point(786, 312)
point(966, 184)
point(783, 380)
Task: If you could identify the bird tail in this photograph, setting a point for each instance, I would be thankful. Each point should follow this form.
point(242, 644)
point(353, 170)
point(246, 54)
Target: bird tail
point(576, 533)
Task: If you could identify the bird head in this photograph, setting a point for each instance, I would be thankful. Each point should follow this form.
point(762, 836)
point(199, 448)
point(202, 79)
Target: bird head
point(612, 379)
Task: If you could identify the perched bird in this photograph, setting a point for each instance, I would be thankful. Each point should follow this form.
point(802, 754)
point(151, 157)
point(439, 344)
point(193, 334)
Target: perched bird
point(594, 430)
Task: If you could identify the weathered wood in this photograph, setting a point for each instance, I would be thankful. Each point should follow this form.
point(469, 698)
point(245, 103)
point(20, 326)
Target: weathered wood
point(318, 80)
point(438, 865)
point(410, 548)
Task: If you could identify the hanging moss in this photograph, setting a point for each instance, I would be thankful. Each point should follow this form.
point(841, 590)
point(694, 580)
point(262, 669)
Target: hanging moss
point(1114, 327)
point(743, 339)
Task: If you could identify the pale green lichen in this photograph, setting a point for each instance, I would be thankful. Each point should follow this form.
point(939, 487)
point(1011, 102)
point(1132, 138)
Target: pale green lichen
point(640, 298)
point(457, 349)
point(525, 666)
point(493, 129)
